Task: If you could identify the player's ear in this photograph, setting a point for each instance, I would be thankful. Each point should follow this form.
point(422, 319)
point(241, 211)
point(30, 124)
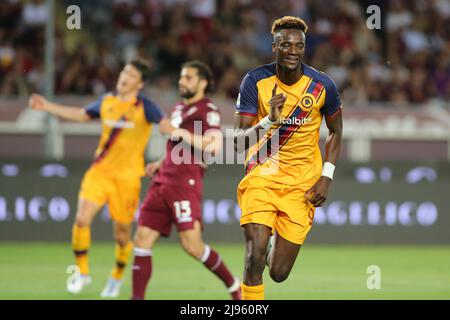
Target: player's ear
point(274, 46)
point(203, 84)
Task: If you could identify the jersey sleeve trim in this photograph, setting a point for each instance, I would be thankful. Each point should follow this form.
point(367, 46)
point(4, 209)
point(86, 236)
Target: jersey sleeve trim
point(93, 109)
point(332, 98)
point(152, 112)
point(334, 113)
point(246, 114)
point(248, 95)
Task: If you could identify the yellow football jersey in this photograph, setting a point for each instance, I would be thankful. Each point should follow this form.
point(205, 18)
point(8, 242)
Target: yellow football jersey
point(126, 128)
point(289, 152)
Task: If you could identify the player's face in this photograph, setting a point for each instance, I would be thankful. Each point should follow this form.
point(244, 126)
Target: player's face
point(189, 83)
point(129, 80)
point(289, 48)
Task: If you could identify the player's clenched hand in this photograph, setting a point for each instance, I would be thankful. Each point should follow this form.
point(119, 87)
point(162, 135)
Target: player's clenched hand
point(38, 102)
point(152, 168)
point(276, 104)
point(319, 191)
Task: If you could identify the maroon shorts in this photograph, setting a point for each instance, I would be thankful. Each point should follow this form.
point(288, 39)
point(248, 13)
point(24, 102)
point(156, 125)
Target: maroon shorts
point(165, 205)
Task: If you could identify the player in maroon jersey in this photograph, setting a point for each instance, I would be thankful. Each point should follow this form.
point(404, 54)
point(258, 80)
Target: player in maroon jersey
point(175, 196)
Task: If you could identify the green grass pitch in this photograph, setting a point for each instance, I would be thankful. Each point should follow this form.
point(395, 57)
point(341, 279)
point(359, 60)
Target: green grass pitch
point(38, 271)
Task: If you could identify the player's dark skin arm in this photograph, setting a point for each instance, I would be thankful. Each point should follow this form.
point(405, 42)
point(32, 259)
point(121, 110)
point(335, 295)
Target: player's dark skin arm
point(318, 193)
point(245, 133)
point(243, 130)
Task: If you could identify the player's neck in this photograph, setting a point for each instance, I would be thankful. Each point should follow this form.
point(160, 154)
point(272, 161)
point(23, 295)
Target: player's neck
point(127, 96)
point(194, 99)
point(289, 77)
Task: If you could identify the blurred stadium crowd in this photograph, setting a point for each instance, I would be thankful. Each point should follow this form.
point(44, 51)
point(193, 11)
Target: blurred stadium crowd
point(406, 61)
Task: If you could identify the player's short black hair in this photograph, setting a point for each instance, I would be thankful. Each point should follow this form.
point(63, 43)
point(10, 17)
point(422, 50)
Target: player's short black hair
point(204, 72)
point(143, 66)
point(289, 22)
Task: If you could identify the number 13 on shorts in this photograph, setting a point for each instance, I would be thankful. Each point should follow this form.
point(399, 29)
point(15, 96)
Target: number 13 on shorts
point(183, 211)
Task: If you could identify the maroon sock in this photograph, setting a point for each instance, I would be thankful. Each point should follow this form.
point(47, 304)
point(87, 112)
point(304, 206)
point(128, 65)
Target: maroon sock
point(142, 271)
point(213, 262)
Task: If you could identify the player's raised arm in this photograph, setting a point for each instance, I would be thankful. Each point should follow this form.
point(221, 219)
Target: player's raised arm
point(243, 123)
point(210, 142)
point(38, 102)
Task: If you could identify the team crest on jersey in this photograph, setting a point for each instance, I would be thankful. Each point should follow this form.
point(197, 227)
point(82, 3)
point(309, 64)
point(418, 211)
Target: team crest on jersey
point(307, 101)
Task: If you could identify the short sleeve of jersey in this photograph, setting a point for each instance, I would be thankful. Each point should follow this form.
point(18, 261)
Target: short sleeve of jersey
point(93, 109)
point(211, 118)
point(247, 102)
point(152, 111)
point(332, 99)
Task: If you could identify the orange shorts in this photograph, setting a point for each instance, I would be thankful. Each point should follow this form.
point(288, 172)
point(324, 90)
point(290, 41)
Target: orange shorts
point(284, 210)
point(121, 195)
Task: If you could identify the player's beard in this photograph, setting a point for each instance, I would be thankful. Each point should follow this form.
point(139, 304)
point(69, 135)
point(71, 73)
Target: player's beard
point(188, 94)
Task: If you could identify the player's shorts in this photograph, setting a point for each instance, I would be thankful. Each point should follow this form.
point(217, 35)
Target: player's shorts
point(284, 210)
point(165, 205)
point(121, 194)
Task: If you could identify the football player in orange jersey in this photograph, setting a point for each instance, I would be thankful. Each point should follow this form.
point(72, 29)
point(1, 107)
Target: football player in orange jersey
point(114, 177)
point(284, 179)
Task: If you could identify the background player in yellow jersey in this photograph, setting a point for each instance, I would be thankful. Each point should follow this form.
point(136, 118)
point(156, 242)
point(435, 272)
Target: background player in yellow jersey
point(114, 177)
point(284, 177)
